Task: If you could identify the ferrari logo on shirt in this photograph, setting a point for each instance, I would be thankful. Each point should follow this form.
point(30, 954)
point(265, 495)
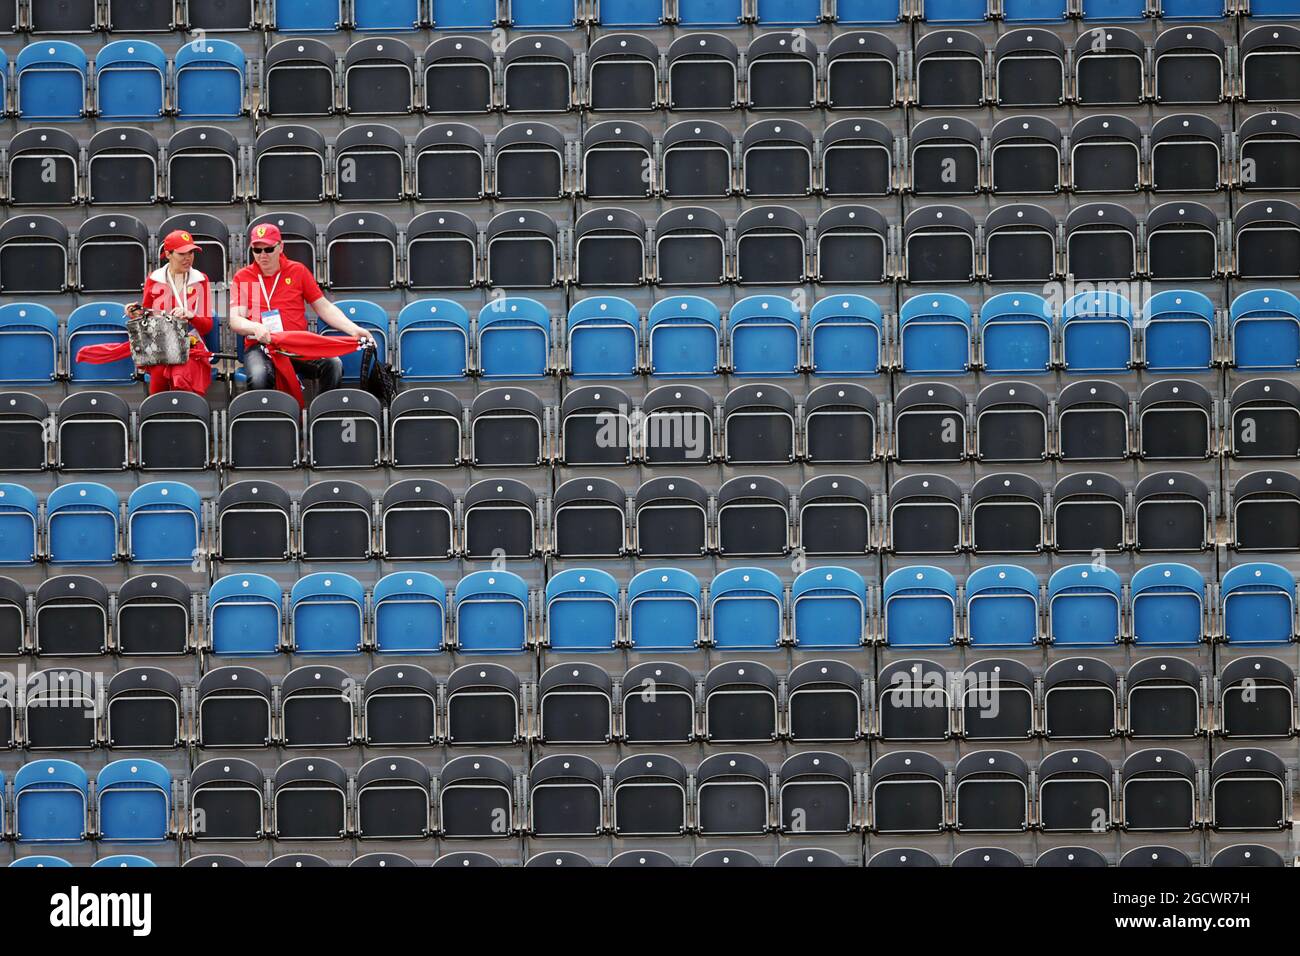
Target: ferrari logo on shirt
point(288, 281)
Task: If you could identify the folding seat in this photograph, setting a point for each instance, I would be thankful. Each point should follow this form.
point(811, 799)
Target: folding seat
point(344, 429)
point(1186, 154)
point(588, 519)
point(677, 420)
point(840, 421)
point(1084, 606)
point(1020, 244)
point(298, 860)
point(703, 70)
point(133, 803)
point(97, 323)
point(829, 608)
point(1093, 421)
point(60, 790)
point(1113, 10)
point(595, 424)
point(335, 521)
point(908, 793)
point(492, 613)
point(824, 702)
point(1015, 335)
point(723, 858)
point(1182, 423)
point(776, 159)
point(361, 251)
point(40, 861)
point(937, 330)
point(1159, 791)
point(30, 335)
point(1029, 67)
point(425, 423)
point(1269, 152)
point(441, 253)
point(996, 786)
point(861, 70)
point(919, 607)
point(925, 515)
point(410, 610)
point(232, 708)
point(164, 524)
point(213, 860)
point(529, 162)
point(1257, 604)
point(209, 79)
point(1173, 511)
point(997, 700)
point(1265, 512)
point(1182, 242)
point(121, 860)
point(939, 245)
point(19, 530)
point(835, 516)
point(542, 70)
point(262, 430)
point(913, 701)
point(467, 858)
point(369, 164)
point(566, 798)
point(690, 249)
point(122, 167)
point(1002, 608)
point(1180, 331)
point(33, 256)
point(226, 800)
point(642, 858)
point(671, 518)
point(663, 610)
point(1076, 792)
point(61, 710)
point(245, 615)
point(476, 798)
point(93, 432)
point(500, 516)
point(764, 332)
point(213, 15)
point(575, 704)
point(393, 797)
point(845, 333)
point(450, 163)
point(400, 707)
point(1007, 512)
point(1256, 698)
point(758, 424)
point(623, 73)
point(1189, 66)
point(1155, 856)
point(309, 800)
point(44, 167)
point(52, 77)
point(1164, 697)
point(1080, 699)
point(1097, 327)
point(327, 614)
point(81, 522)
point(112, 254)
point(130, 80)
point(299, 233)
point(73, 16)
point(778, 13)
point(253, 522)
point(459, 72)
point(630, 13)
point(316, 707)
point(649, 796)
point(731, 794)
point(1024, 157)
point(1105, 155)
point(1089, 513)
point(857, 159)
point(903, 857)
point(1266, 237)
point(1264, 419)
point(930, 420)
point(746, 610)
point(521, 251)
point(950, 70)
point(609, 248)
point(953, 11)
point(810, 857)
point(298, 79)
point(945, 157)
point(387, 15)
point(582, 612)
point(140, 16)
point(22, 429)
point(781, 72)
point(697, 160)
point(603, 335)
point(617, 161)
point(70, 616)
point(658, 705)
point(1265, 329)
point(506, 428)
point(1247, 854)
point(710, 13)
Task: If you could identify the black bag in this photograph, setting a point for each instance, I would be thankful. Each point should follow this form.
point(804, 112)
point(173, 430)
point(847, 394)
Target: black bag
point(378, 377)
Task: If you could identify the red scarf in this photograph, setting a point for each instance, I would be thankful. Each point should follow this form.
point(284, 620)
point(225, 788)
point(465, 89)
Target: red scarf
point(193, 375)
point(286, 346)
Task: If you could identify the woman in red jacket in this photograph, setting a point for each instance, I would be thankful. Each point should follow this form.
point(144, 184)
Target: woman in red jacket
point(183, 291)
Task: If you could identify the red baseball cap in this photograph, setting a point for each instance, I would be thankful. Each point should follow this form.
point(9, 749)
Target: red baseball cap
point(266, 233)
point(179, 241)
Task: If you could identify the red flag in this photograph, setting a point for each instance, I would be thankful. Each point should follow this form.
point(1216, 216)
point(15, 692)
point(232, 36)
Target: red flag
point(286, 346)
point(104, 353)
point(193, 375)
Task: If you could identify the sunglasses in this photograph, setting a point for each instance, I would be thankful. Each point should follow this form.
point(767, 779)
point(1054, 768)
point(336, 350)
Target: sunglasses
point(263, 250)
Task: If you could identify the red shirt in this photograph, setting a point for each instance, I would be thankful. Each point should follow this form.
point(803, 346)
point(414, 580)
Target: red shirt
point(293, 292)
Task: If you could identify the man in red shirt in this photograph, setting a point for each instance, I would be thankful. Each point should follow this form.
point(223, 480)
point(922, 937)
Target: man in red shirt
point(271, 295)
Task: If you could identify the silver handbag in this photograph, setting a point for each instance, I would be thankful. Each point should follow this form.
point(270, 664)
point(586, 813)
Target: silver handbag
point(158, 339)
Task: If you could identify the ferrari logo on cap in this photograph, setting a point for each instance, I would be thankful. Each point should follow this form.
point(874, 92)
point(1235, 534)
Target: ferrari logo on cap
point(187, 237)
point(261, 231)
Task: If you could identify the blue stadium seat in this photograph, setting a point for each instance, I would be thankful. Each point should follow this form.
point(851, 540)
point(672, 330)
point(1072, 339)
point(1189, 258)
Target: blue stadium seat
point(370, 317)
point(1179, 331)
point(845, 333)
point(1002, 606)
point(1034, 11)
point(306, 16)
point(164, 523)
point(97, 323)
point(1201, 9)
point(51, 799)
point(857, 12)
point(684, 333)
point(52, 78)
point(663, 610)
point(82, 524)
point(934, 335)
point(433, 340)
point(1097, 333)
point(121, 860)
point(386, 14)
point(463, 14)
point(245, 614)
point(210, 80)
point(1083, 604)
point(40, 861)
point(789, 13)
point(133, 800)
point(746, 610)
point(491, 613)
point(1274, 9)
point(542, 14)
point(327, 614)
point(1167, 602)
point(1257, 603)
point(1265, 329)
point(18, 515)
point(410, 609)
point(1016, 333)
point(604, 333)
point(763, 336)
point(829, 608)
point(708, 13)
point(29, 344)
point(630, 13)
point(954, 11)
point(130, 81)
point(920, 607)
point(1107, 11)
point(582, 610)
point(514, 338)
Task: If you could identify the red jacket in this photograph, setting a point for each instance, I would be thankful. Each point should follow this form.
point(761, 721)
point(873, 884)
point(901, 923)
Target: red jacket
point(158, 295)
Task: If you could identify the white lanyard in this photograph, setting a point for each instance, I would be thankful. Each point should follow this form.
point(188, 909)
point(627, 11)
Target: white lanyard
point(178, 295)
point(268, 296)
